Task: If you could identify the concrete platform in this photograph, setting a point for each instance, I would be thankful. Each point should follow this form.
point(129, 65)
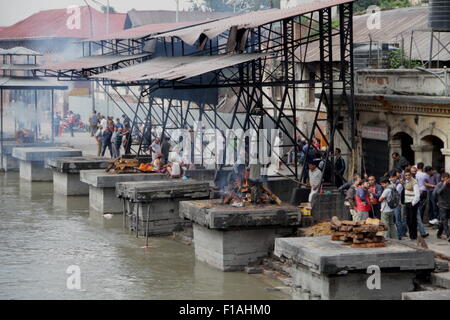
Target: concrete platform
point(329, 270)
point(102, 188)
point(159, 201)
point(32, 161)
point(427, 295)
point(12, 164)
point(231, 238)
point(66, 173)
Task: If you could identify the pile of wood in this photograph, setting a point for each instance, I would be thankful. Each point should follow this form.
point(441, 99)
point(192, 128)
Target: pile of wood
point(242, 191)
point(24, 136)
point(359, 234)
point(123, 165)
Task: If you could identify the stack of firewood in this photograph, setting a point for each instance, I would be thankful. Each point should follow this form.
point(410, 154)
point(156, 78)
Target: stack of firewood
point(123, 165)
point(359, 234)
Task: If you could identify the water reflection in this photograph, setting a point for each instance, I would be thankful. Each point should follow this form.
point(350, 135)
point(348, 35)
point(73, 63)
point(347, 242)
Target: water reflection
point(42, 234)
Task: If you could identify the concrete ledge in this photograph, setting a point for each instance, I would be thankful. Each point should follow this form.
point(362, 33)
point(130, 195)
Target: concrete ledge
point(323, 256)
point(215, 215)
point(76, 164)
point(144, 191)
point(427, 295)
point(102, 179)
point(42, 154)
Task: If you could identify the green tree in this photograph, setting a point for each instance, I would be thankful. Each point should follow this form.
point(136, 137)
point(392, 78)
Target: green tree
point(233, 5)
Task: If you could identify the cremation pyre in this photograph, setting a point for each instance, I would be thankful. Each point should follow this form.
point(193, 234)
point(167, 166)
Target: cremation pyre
point(242, 190)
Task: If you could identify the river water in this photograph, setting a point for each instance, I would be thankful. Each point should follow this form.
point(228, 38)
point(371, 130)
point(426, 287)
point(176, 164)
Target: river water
point(42, 234)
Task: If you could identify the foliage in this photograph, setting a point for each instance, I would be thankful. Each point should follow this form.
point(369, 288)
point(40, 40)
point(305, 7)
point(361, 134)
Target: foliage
point(233, 5)
point(397, 59)
point(111, 9)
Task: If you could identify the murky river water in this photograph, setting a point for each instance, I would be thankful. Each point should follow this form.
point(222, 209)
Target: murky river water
point(42, 234)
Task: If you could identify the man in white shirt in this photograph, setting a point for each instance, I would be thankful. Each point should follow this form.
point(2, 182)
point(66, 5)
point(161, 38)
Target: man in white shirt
point(155, 148)
point(315, 179)
point(104, 122)
point(98, 136)
point(411, 203)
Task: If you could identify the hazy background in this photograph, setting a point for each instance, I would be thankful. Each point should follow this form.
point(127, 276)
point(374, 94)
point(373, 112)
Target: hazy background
point(14, 11)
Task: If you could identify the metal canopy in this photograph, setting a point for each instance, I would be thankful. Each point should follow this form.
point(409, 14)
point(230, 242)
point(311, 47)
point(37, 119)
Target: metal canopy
point(20, 51)
point(250, 20)
point(90, 62)
point(177, 68)
point(21, 83)
point(142, 31)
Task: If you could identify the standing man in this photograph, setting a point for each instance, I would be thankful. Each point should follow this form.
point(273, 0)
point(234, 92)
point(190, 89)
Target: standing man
point(71, 120)
point(56, 124)
point(422, 181)
point(155, 148)
point(375, 191)
point(165, 149)
point(106, 142)
point(315, 179)
point(118, 124)
point(98, 137)
point(118, 142)
point(399, 161)
point(362, 201)
point(411, 201)
point(442, 192)
point(398, 211)
point(387, 212)
point(339, 168)
point(93, 122)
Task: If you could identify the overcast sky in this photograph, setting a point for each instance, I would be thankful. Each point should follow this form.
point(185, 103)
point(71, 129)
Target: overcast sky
point(16, 10)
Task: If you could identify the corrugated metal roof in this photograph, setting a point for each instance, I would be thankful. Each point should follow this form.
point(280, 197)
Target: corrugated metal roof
point(20, 51)
point(142, 31)
point(54, 24)
point(177, 68)
point(21, 83)
point(90, 62)
point(249, 20)
point(136, 18)
point(19, 67)
point(396, 24)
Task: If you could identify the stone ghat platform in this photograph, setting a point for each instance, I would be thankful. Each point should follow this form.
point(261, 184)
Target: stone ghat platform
point(231, 238)
point(102, 188)
point(32, 161)
point(328, 270)
point(12, 164)
point(66, 173)
point(158, 202)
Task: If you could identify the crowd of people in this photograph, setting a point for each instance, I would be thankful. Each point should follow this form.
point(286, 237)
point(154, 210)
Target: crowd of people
point(401, 197)
point(110, 134)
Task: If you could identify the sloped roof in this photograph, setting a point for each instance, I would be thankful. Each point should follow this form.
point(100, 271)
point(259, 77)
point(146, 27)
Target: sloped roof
point(90, 62)
point(22, 83)
point(177, 68)
point(396, 24)
point(142, 31)
point(250, 20)
point(20, 51)
point(137, 18)
point(54, 24)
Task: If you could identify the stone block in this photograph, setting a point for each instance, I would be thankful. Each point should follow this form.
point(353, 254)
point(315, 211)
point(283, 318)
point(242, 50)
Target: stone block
point(44, 153)
point(35, 171)
point(427, 295)
point(76, 164)
point(323, 256)
point(214, 215)
point(441, 279)
point(69, 184)
point(233, 250)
